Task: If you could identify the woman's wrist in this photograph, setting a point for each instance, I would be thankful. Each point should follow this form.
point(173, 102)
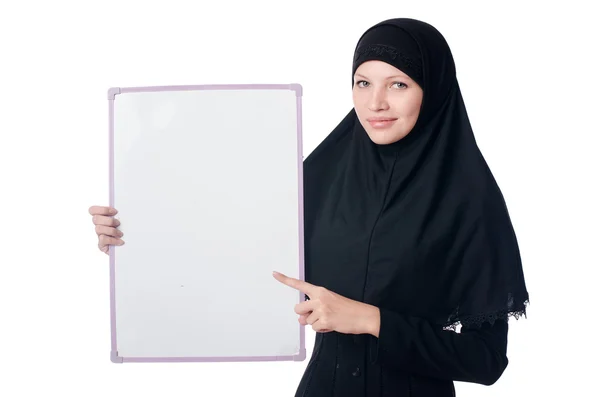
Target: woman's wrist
point(371, 320)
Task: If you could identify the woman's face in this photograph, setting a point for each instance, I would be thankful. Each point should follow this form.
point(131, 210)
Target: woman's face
point(387, 101)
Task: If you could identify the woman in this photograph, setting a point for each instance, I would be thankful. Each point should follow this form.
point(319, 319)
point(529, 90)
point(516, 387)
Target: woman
point(407, 233)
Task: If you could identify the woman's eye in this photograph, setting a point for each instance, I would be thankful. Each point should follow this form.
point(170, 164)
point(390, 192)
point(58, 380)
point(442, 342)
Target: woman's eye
point(363, 83)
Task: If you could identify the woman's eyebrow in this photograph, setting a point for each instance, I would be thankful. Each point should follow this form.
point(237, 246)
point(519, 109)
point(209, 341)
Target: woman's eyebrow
point(387, 78)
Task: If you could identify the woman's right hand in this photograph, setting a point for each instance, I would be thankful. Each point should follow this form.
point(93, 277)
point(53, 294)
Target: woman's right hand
point(106, 227)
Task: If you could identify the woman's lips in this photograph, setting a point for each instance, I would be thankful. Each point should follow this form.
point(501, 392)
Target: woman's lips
point(381, 122)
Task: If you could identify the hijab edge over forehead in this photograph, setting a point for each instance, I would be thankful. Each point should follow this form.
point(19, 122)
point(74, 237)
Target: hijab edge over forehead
point(393, 45)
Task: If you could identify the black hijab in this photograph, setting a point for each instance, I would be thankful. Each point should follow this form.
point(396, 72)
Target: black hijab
point(418, 226)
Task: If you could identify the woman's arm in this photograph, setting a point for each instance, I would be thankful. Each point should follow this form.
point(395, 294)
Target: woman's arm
point(412, 344)
point(408, 343)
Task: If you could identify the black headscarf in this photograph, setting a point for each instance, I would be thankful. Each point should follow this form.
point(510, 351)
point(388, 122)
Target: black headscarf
point(418, 226)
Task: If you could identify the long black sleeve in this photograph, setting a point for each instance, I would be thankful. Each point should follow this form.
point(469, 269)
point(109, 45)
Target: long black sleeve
point(411, 344)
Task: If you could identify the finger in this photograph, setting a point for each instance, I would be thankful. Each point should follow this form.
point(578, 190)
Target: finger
point(299, 285)
point(105, 221)
point(306, 307)
point(312, 318)
point(108, 230)
point(318, 327)
point(104, 240)
point(102, 210)
point(302, 319)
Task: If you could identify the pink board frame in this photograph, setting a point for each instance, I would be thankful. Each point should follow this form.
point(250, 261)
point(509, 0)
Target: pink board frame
point(112, 94)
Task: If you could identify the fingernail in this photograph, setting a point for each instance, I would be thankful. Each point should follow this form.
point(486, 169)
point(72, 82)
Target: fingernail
point(113, 211)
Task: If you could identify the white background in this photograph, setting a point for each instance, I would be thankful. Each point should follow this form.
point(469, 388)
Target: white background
point(529, 76)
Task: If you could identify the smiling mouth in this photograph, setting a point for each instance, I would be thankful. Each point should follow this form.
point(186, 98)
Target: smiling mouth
point(381, 122)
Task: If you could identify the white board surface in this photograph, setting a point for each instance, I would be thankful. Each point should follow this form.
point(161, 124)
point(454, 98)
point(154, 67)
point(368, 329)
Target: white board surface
point(208, 184)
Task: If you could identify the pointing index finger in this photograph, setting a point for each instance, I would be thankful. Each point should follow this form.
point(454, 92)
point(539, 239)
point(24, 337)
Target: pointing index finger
point(299, 285)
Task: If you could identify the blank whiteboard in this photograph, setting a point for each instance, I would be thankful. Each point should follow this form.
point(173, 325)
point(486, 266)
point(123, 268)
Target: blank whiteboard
point(208, 184)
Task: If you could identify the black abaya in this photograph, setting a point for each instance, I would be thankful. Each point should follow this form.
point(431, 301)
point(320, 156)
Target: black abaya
point(418, 228)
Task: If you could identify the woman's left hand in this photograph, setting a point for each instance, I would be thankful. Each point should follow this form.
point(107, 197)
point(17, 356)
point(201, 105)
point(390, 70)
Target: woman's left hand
point(327, 311)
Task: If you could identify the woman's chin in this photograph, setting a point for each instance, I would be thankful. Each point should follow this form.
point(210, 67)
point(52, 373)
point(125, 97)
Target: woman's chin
point(382, 137)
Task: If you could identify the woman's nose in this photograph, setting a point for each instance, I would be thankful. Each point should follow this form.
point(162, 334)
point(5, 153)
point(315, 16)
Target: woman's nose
point(378, 101)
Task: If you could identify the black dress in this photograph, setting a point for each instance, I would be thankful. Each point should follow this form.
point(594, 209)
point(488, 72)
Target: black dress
point(412, 356)
point(418, 228)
